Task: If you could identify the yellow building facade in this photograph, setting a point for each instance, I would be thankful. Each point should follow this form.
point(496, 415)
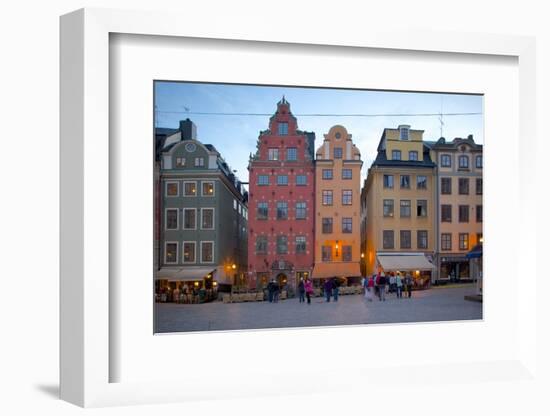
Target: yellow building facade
point(337, 207)
point(398, 208)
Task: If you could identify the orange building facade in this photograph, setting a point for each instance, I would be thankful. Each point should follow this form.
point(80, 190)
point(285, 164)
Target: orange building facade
point(337, 207)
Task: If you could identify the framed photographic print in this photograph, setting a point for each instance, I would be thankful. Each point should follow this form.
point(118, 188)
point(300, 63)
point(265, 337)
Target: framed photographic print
point(233, 206)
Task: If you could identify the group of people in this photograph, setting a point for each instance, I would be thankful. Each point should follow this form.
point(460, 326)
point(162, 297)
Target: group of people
point(376, 285)
point(305, 290)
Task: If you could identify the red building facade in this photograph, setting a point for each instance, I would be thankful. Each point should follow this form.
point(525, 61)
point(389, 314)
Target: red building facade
point(281, 203)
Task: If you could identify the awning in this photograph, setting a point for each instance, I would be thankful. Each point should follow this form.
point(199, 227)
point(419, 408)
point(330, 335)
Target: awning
point(404, 261)
point(336, 269)
point(476, 252)
point(187, 273)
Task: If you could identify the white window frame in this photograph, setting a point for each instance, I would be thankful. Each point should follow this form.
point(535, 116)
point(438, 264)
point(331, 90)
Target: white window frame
point(180, 165)
point(177, 252)
point(213, 252)
point(213, 188)
point(183, 252)
point(196, 189)
point(166, 219)
point(407, 135)
point(213, 218)
point(166, 189)
point(275, 150)
point(183, 218)
point(199, 165)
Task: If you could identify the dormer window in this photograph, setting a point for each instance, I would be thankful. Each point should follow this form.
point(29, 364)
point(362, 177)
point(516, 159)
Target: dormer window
point(404, 132)
point(283, 129)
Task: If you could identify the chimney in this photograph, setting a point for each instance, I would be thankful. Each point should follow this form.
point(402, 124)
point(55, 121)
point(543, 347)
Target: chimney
point(188, 130)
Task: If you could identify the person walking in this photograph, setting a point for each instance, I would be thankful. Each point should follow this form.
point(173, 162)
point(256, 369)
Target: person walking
point(308, 286)
point(381, 284)
point(368, 284)
point(398, 285)
point(335, 288)
point(328, 289)
point(270, 289)
point(276, 291)
point(301, 290)
point(408, 284)
point(392, 282)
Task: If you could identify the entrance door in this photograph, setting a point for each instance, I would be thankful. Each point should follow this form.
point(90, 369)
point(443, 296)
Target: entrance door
point(282, 280)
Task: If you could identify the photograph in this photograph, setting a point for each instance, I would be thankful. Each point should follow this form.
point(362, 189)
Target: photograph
point(294, 207)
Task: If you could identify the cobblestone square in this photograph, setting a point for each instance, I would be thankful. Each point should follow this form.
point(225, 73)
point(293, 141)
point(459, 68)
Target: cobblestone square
point(436, 304)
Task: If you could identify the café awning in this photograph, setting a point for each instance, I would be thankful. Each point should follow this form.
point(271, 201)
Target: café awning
point(188, 273)
point(336, 269)
point(476, 252)
point(404, 261)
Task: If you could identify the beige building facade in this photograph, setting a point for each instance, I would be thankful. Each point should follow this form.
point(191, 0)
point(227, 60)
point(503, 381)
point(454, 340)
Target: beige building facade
point(337, 207)
point(460, 207)
point(398, 209)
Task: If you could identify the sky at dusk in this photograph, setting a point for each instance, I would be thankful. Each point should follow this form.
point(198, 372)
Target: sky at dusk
point(316, 109)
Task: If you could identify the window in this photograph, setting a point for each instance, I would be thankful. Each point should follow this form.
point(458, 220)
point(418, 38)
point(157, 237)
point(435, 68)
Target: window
point(282, 244)
point(337, 153)
point(207, 222)
point(208, 189)
point(189, 250)
point(463, 241)
point(300, 210)
point(463, 213)
point(388, 208)
point(463, 162)
point(199, 161)
point(479, 161)
point(463, 186)
point(282, 129)
point(405, 239)
point(446, 213)
point(346, 197)
point(403, 133)
point(347, 174)
point(421, 208)
point(207, 251)
point(326, 253)
point(239, 208)
point(479, 213)
point(446, 186)
point(261, 244)
point(396, 155)
point(446, 241)
point(388, 239)
point(405, 182)
point(405, 208)
point(421, 182)
point(262, 211)
point(263, 180)
point(291, 154)
point(273, 154)
point(413, 155)
point(445, 161)
point(235, 204)
point(388, 181)
point(300, 244)
point(422, 239)
point(327, 197)
point(282, 180)
point(327, 174)
point(479, 186)
point(190, 188)
point(189, 218)
point(301, 180)
point(346, 225)
point(171, 252)
point(172, 219)
point(180, 162)
point(282, 210)
point(346, 253)
point(172, 188)
point(327, 225)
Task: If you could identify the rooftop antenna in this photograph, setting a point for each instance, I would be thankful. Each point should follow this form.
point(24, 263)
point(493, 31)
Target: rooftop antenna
point(441, 123)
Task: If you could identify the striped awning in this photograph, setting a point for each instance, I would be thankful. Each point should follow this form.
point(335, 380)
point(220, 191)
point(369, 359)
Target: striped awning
point(403, 261)
point(336, 269)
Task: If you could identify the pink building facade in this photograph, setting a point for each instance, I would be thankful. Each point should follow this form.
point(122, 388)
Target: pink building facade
point(281, 203)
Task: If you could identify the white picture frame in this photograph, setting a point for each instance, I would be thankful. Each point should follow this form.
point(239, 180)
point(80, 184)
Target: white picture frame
point(86, 291)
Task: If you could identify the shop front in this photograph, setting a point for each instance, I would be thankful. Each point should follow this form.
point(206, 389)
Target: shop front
point(186, 284)
point(454, 268)
point(349, 273)
point(416, 264)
